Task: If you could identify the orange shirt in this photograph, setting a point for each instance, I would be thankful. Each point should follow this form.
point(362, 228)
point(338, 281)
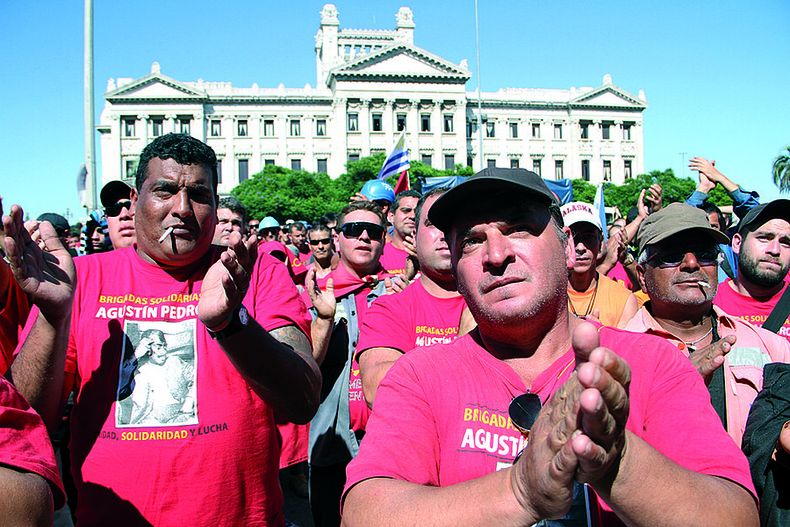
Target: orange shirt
point(607, 296)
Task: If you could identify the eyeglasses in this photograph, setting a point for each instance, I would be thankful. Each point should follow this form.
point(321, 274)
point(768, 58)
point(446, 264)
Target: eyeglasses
point(523, 411)
point(325, 241)
point(115, 209)
point(354, 229)
point(673, 258)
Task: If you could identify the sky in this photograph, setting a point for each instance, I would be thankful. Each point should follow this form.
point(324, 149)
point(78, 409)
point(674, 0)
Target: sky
point(715, 73)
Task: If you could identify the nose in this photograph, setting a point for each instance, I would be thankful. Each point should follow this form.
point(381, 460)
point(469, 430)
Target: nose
point(498, 251)
point(774, 247)
point(183, 205)
point(689, 262)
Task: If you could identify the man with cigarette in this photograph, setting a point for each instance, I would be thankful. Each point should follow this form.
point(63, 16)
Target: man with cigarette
point(611, 413)
point(231, 316)
point(677, 267)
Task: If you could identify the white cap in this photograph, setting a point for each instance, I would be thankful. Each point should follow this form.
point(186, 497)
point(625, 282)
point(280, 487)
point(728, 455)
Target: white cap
point(578, 211)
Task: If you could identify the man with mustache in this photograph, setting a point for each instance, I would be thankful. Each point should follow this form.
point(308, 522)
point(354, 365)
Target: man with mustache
point(401, 216)
point(762, 246)
point(678, 269)
point(324, 259)
point(503, 425)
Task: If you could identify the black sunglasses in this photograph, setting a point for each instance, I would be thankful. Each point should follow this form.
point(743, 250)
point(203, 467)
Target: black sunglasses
point(115, 209)
point(268, 231)
point(523, 411)
point(354, 229)
point(322, 240)
point(707, 256)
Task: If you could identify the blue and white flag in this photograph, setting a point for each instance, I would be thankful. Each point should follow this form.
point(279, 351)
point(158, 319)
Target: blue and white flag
point(397, 161)
point(600, 208)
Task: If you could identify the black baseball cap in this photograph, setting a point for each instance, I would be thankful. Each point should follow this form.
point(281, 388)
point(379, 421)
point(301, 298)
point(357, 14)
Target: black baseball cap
point(60, 223)
point(455, 201)
point(113, 191)
point(778, 208)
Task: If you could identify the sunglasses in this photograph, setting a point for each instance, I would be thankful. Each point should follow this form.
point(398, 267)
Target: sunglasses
point(708, 256)
point(115, 209)
point(523, 411)
point(322, 240)
point(354, 229)
point(269, 231)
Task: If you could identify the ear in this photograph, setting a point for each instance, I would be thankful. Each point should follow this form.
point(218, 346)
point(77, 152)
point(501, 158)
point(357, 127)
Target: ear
point(737, 240)
point(133, 196)
point(640, 274)
point(570, 252)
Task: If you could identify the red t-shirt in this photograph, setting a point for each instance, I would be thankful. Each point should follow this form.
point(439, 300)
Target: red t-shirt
point(442, 414)
point(393, 259)
point(410, 319)
point(173, 439)
point(13, 315)
point(24, 442)
point(747, 308)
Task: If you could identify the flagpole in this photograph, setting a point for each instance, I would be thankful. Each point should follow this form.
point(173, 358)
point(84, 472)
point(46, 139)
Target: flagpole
point(479, 94)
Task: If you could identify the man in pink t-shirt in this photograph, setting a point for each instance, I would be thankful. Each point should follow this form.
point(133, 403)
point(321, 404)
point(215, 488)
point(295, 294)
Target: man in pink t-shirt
point(180, 354)
point(762, 245)
point(427, 312)
point(636, 428)
point(401, 215)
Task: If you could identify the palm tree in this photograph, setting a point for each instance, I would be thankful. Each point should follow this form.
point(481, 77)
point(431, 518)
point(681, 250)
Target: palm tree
point(782, 171)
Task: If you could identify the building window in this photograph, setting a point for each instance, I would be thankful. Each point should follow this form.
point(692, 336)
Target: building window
point(606, 131)
point(377, 125)
point(296, 128)
point(513, 130)
point(585, 129)
point(184, 125)
point(321, 165)
point(490, 129)
point(558, 169)
point(128, 127)
point(471, 128)
point(131, 169)
point(353, 156)
point(449, 161)
point(491, 163)
point(536, 166)
point(267, 162)
point(557, 131)
point(296, 164)
point(425, 122)
point(400, 122)
point(535, 130)
point(156, 127)
point(607, 170)
point(241, 128)
point(219, 171)
point(216, 128)
point(513, 162)
point(244, 169)
point(353, 122)
point(627, 169)
point(586, 169)
point(426, 159)
point(448, 123)
point(268, 127)
point(469, 161)
point(320, 127)
point(626, 131)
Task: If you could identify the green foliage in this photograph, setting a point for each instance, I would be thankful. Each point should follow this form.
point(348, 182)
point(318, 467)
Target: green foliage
point(583, 191)
point(781, 171)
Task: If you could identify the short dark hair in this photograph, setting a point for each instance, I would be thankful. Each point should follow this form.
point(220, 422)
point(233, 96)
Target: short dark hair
point(710, 208)
point(297, 226)
point(184, 149)
point(369, 206)
point(438, 191)
point(329, 217)
point(234, 205)
point(405, 194)
point(318, 227)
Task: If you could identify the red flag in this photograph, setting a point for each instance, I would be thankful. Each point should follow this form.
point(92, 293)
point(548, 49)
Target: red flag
point(403, 182)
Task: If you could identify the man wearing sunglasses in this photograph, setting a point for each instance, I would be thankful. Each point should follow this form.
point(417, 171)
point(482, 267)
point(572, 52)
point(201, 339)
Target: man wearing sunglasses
point(678, 268)
point(635, 425)
point(324, 259)
point(115, 197)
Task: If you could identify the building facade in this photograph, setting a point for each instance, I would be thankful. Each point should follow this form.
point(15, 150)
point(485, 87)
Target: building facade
point(370, 86)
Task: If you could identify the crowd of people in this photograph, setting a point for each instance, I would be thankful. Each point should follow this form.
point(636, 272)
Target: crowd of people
point(467, 356)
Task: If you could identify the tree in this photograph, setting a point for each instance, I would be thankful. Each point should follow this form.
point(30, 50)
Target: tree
point(781, 171)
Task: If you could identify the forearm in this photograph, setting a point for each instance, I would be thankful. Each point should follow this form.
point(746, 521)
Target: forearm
point(482, 501)
point(279, 367)
point(632, 228)
point(321, 334)
point(26, 499)
point(650, 489)
point(37, 371)
point(371, 378)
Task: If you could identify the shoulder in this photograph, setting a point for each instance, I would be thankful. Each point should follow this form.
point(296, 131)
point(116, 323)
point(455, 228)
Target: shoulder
point(639, 349)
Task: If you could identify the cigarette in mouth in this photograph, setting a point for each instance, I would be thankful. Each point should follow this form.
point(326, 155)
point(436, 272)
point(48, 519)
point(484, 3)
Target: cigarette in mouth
point(167, 233)
point(703, 284)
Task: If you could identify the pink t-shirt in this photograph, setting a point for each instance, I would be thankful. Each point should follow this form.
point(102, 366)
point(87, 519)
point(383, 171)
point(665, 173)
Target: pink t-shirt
point(747, 308)
point(393, 259)
point(619, 275)
point(164, 429)
point(410, 319)
point(442, 414)
point(24, 441)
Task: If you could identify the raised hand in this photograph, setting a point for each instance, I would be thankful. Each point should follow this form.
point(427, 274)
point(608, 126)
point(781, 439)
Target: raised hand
point(708, 359)
point(654, 197)
point(46, 273)
point(226, 282)
point(324, 301)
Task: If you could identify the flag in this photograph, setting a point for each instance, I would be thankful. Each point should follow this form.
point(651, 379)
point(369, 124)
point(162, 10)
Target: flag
point(600, 207)
point(398, 160)
point(403, 182)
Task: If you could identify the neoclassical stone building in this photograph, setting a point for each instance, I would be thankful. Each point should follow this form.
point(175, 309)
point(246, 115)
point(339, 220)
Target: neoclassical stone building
point(370, 85)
